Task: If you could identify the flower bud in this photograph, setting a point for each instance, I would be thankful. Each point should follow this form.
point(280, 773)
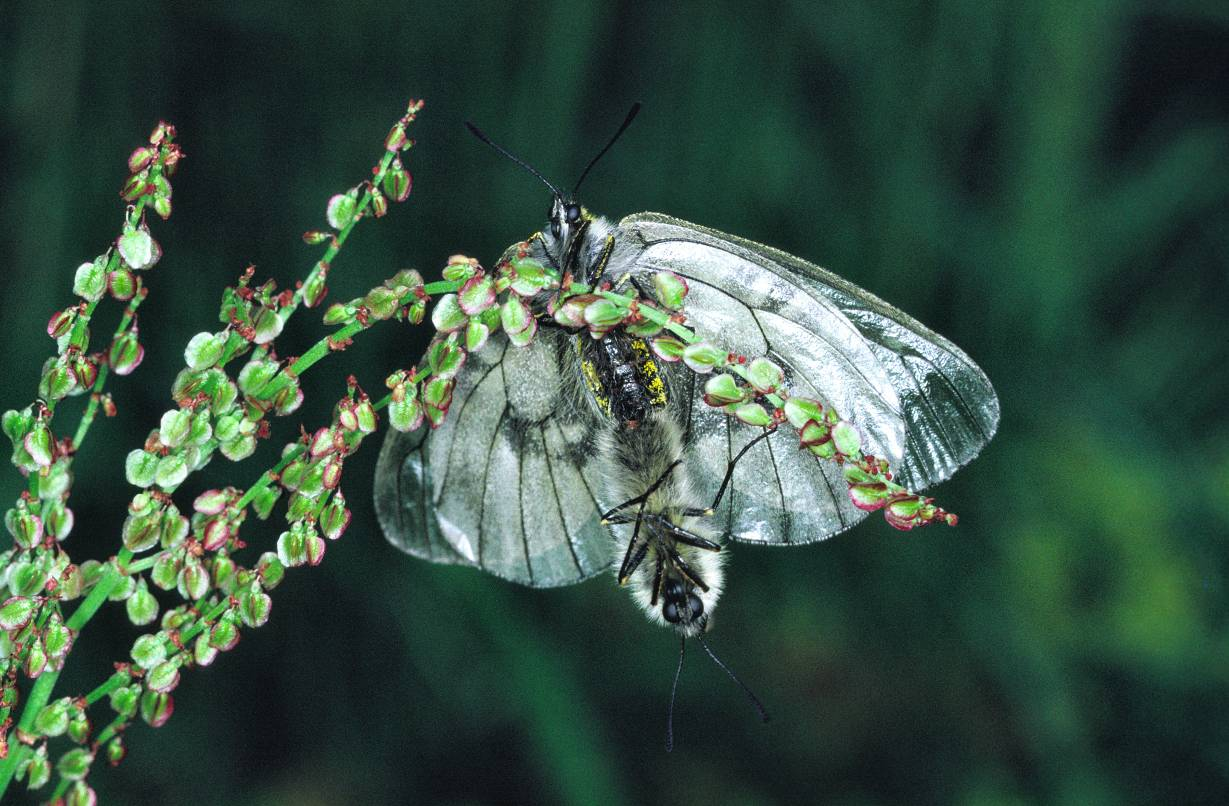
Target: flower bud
point(75, 764)
point(138, 248)
point(126, 353)
point(397, 182)
point(670, 288)
point(254, 608)
point(16, 612)
point(477, 295)
point(316, 288)
point(204, 350)
point(124, 700)
point(142, 607)
point(149, 650)
point(53, 719)
point(341, 210)
point(447, 315)
point(38, 773)
point(115, 750)
point(164, 677)
point(702, 358)
point(722, 389)
point(270, 570)
point(224, 635)
point(156, 708)
point(122, 284)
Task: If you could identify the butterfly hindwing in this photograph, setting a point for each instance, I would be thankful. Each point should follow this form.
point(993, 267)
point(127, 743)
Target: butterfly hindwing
point(507, 483)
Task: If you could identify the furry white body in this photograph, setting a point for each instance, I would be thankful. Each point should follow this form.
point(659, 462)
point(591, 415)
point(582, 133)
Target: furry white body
point(638, 458)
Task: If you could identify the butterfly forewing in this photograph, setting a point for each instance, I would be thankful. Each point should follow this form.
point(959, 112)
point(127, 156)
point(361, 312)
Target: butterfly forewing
point(507, 483)
point(918, 400)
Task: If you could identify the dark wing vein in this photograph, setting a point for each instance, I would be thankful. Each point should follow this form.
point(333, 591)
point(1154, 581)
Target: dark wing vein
point(550, 471)
point(520, 486)
point(457, 421)
point(486, 478)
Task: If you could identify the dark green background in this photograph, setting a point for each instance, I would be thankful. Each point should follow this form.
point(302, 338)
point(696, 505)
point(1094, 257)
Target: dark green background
point(1044, 183)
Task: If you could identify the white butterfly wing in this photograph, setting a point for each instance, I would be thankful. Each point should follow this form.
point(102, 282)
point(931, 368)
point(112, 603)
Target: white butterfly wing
point(507, 482)
point(917, 399)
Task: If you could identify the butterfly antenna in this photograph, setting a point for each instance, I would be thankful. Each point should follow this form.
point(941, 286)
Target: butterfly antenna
point(754, 700)
point(476, 132)
point(631, 115)
point(674, 690)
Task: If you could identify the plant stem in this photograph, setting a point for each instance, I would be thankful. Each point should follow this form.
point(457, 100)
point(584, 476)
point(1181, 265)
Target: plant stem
point(91, 410)
point(111, 684)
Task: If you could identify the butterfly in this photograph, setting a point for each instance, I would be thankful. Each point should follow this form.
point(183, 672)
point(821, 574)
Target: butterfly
point(560, 457)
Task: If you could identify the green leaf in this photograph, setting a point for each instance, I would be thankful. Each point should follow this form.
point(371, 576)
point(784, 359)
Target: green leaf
point(447, 315)
point(171, 471)
point(602, 314)
point(52, 719)
point(141, 606)
point(254, 608)
point(341, 209)
point(753, 414)
point(148, 650)
point(668, 348)
point(405, 415)
point(269, 324)
point(90, 281)
point(477, 295)
point(40, 444)
point(524, 337)
point(846, 438)
point(445, 358)
point(476, 335)
point(140, 468)
point(800, 410)
point(164, 677)
point(138, 248)
point(530, 277)
point(670, 288)
point(174, 427)
point(722, 389)
point(514, 315)
point(74, 765)
point(702, 358)
point(156, 708)
point(204, 350)
point(764, 375)
point(16, 612)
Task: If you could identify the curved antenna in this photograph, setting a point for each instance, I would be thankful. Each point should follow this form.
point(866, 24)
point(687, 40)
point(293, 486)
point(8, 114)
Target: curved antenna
point(631, 115)
point(674, 690)
point(754, 700)
point(476, 132)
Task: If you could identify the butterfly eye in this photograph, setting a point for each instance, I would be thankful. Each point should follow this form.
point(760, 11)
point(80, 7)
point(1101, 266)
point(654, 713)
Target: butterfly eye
point(573, 213)
point(670, 612)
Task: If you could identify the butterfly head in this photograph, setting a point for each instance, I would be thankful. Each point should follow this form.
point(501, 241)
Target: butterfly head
point(565, 218)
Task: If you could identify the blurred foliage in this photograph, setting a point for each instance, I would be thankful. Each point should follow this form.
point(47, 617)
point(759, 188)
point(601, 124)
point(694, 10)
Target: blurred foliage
point(1045, 183)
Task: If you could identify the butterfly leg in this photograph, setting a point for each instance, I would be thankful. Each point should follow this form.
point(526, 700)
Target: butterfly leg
point(657, 578)
point(685, 569)
point(729, 474)
point(640, 499)
point(691, 539)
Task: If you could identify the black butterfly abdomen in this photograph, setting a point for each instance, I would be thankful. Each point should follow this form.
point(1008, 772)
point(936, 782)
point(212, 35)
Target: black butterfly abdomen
point(622, 377)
